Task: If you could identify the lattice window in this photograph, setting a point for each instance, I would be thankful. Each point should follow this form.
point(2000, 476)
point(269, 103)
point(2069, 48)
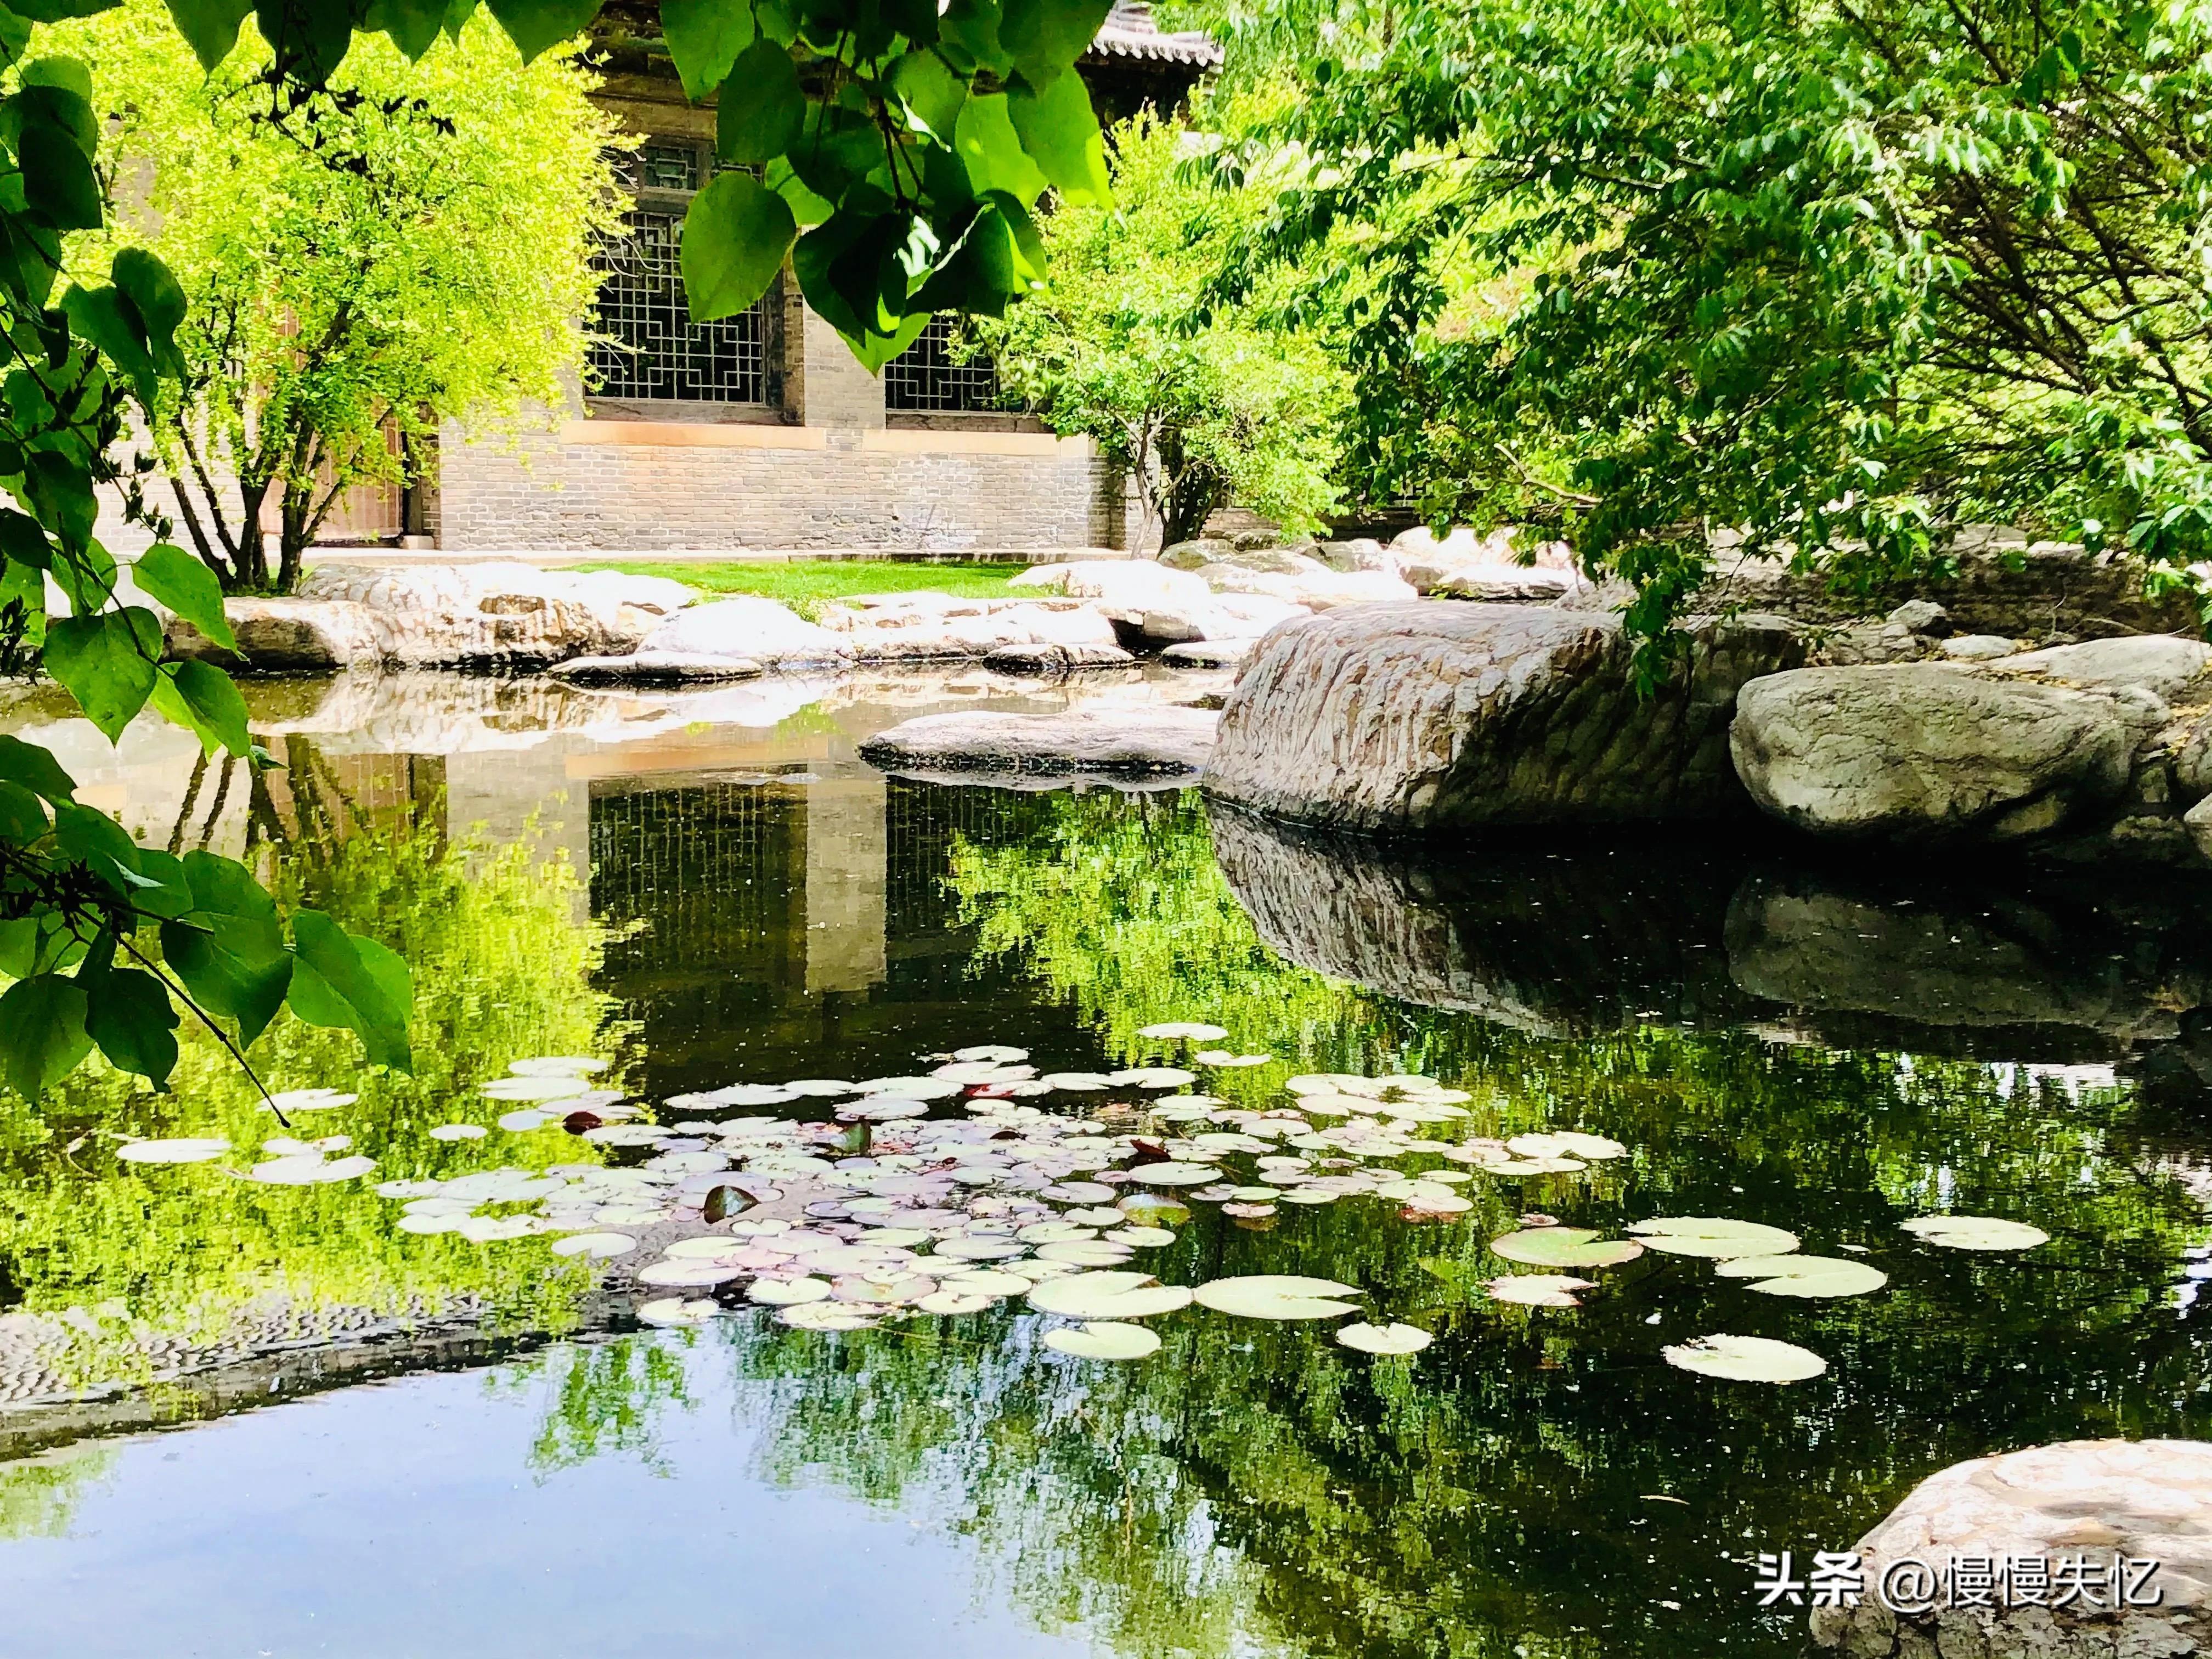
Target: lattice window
point(653, 349)
point(928, 376)
point(660, 166)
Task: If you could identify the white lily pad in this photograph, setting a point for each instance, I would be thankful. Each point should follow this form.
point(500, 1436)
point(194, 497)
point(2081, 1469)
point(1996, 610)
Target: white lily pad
point(533, 1088)
point(182, 1149)
point(1713, 1237)
point(953, 1304)
point(675, 1310)
point(558, 1066)
point(1076, 1082)
point(911, 1088)
point(1565, 1143)
point(786, 1292)
point(460, 1131)
point(1142, 1238)
point(1084, 1253)
point(1976, 1232)
point(981, 1249)
point(309, 1100)
point(688, 1271)
point(1538, 1290)
point(883, 1108)
point(598, 1247)
point(998, 1053)
point(1565, 1247)
point(1183, 1031)
point(1153, 1076)
point(1745, 1358)
point(522, 1122)
point(710, 1248)
point(826, 1316)
point(1804, 1275)
point(1104, 1340)
point(1109, 1296)
point(1384, 1339)
point(1174, 1174)
point(1276, 1296)
point(983, 1281)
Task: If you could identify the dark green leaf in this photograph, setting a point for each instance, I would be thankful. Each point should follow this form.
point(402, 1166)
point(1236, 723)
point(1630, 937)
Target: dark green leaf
point(159, 298)
point(704, 38)
point(342, 978)
point(535, 24)
point(42, 1035)
point(1045, 37)
point(129, 1016)
point(61, 495)
point(310, 38)
point(24, 586)
point(15, 36)
point(22, 819)
point(210, 26)
point(98, 315)
point(987, 141)
point(735, 237)
point(413, 25)
point(22, 541)
point(806, 208)
point(1060, 132)
point(59, 184)
point(762, 108)
point(35, 768)
point(187, 586)
point(107, 660)
point(229, 950)
point(968, 30)
point(202, 698)
point(70, 74)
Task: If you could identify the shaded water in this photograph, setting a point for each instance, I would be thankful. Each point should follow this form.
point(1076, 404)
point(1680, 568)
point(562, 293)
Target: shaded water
point(240, 1419)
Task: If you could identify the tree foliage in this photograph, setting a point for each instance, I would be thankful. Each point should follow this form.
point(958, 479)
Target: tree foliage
point(1841, 279)
point(1232, 406)
point(408, 246)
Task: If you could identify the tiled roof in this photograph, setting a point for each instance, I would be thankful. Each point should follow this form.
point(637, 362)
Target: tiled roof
point(1129, 32)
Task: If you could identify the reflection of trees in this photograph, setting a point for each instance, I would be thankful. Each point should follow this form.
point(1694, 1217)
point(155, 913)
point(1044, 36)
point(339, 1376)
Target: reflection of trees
point(601, 1398)
point(185, 1258)
point(39, 1497)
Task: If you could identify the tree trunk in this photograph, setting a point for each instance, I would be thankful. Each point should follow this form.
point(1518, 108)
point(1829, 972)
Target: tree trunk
point(1194, 493)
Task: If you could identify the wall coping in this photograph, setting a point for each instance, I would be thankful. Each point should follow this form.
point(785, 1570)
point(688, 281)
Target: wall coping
point(894, 441)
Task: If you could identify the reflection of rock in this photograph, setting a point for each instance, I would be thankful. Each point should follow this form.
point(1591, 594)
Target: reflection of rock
point(1557, 941)
point(1921, 959)
point(1436, 715)
point(1923, 752)
point(654, 668)
point(1154, 746)
point(2147, 1501)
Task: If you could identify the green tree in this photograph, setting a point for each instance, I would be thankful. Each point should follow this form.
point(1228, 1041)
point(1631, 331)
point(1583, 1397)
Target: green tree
point(912, 143)
point(1839, 279)
point(1202, 410)
point(408, 246)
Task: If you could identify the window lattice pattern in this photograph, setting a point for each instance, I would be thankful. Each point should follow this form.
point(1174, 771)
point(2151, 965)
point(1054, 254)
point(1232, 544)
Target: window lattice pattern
point(653, 349)
point(927, 376)
point(661, 167)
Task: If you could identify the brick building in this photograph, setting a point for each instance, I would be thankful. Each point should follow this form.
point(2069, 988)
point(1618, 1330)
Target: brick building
point(763, 430)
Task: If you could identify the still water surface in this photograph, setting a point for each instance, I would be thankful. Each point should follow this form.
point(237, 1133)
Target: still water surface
point(241, 1420)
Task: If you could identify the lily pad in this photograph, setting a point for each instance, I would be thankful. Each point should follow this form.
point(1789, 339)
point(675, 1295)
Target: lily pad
point(786, 1292)
point(180, 1150)
point(997, 1053)
point(1714, 1238)
point(883, 1108)
point(534, 1088)
point(1565, 1143)
point(1565, 1247)
point(1104, 1340)
point(596, 1246)
point(911, 1088)
point(1182, 1031)
point(1384, 1338)
point(1276, 1296)
point(1154, 1076)
point(826, 1316)
point(1804, 1275)
point(675, 1310)
point(1538, 1290)
point(464, 1132)
point(1108, 1296)
point(310, 1100)
point(1076, 1082)
point(1976, 1232)
point(688, 1271)
point(1084, 1253)
point(1174, 1174)
point(1745, 1358)
point(558, 1066)
point(953, 1303)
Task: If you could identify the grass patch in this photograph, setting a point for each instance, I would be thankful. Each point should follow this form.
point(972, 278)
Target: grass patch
point(807, 585)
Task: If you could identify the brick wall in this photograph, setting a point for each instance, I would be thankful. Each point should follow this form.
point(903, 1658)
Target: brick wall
point(605, 484)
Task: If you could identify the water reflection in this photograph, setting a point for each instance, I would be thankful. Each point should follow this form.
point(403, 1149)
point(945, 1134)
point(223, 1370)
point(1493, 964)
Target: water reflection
point(706, 899)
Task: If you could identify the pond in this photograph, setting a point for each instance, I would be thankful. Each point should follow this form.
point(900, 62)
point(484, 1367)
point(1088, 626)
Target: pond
point(252, 1417)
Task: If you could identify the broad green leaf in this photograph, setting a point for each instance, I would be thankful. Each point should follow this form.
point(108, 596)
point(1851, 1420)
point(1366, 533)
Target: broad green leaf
point(704, 38)
point(985, 136)
point(1045, 37)
point(55, 92)
point(735, 234)
point(107, 661)
point(1061, 134)
point(15, 36)
point(1976, 1232)
point(1745, 1358)
point(159, 300)
point(762, 111)
point(343, 979)
point(55, 11)
point(24, 588)
point(129, 1016)
point(85, 573)
point(59, 184)
point(201, 698)
point(413, 25)
point(310, 38)
point(210, 26)
point(70, 74)
point(42, 1035)
point(35, 768)
point(933, 94)
point(968, 30)
point(61, 495)
point(535, 24)
point(22, 819)
point(229, 950)
point(97, 315)
point(22, 541)
point(806, 208)
point(187, 586)
point(1715, 1237)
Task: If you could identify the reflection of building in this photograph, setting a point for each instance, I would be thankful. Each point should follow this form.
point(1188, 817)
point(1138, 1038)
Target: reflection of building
point(763, 430)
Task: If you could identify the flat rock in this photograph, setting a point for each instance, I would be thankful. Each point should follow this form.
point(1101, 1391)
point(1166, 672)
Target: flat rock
point(1528, 584)
point(1055, 659)
point(1979, 648)
point(1208, 654)
point(1158, 745)
point(1197, 551)
point(1360, 553)
point(289, 636)
point(654, 668)
point(756, 629)
point(1922, 751)
point(2148, 1500)
point(1317, 589)
point(1426, 715)
point(2158, 663)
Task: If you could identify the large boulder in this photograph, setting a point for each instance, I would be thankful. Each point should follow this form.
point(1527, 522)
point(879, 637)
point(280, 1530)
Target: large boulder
point(1930, 751)
point(1050, 658)
point(2169, 668)
point(756, 629)
point(654, 668)
point(290, 636)
point(1148, 746)
point(2098, 1503)
point(1200, 550)
point(1422, 716)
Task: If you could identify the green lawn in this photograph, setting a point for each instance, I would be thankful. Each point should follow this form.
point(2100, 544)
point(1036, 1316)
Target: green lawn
point(806, 585)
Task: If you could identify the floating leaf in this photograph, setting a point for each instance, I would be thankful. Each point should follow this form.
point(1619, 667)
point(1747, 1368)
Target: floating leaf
point(534, 1088)
point(1153, 1076)
point(1384, 1338)
point(1714, 1238)
point(556, 1066)
point(460, 1131)
point(310, 1100)
point(826, 1316)
point(1804, 1275)
point(1083, 1252)
point(675, 1310)
point(1076, 1082)
point(688, 1271)
point(1565, 1247)
point(953, 1303)
point(1109, 1296)
point(1276, 1296)
point(599, 1247)
point(1745, 1358)
point(180, 1150)
point(1976, 1232)
point(1566, 1143)
point(1538, 1290)
point(786, 1292)
point(998, 1053)
point(1105, 1340)
point(1174, 1174)
point(1182, 1031)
